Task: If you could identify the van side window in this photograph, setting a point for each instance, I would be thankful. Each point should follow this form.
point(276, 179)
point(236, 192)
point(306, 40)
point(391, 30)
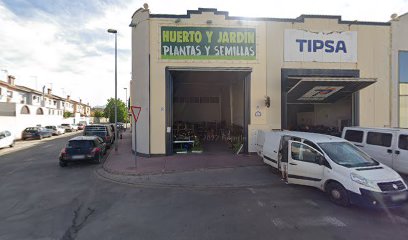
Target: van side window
point(354, 136)
point(379, 139)
point(403, 142)
point(302, 152)
point(312, 145)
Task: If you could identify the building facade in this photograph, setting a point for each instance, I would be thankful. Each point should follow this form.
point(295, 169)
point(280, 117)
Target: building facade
point(22, 107)
point(210, 74)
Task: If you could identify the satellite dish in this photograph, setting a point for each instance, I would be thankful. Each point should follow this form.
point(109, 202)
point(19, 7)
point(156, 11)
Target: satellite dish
point(146, 6)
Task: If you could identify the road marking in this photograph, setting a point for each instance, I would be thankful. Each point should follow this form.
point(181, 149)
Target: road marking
point(252, 190)
point(48, 145)
point(325, 221)
point(279, 223)
point(310, 202)
point(261, 204)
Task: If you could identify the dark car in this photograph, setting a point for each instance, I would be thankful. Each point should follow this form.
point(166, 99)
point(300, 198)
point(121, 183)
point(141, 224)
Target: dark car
point(83, 148)
point(81, 126)
point(36, 132)
point(100, 130)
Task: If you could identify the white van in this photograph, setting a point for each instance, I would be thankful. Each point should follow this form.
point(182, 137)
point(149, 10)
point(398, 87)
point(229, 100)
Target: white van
point(386, 145)
point(6, 139)
point(333, 165)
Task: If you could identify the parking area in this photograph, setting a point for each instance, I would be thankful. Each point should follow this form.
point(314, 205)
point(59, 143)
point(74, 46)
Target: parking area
point(25, 144)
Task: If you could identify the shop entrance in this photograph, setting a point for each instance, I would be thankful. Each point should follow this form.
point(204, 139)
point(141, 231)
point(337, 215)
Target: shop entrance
point(321, 100)
point(207, 110)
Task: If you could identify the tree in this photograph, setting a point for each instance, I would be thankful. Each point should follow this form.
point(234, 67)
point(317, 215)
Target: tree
point(67, 114)
point(109, 110)
point(98, 114)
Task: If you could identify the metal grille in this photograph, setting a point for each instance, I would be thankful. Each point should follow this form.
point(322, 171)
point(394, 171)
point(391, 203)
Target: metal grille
point(391, 186)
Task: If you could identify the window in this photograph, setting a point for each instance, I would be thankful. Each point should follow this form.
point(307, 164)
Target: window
point(354, 136)
point(25, 110)
point(379, 139)
point(204, 100)
point(403, 66)
point(307, 142)
point(403, 142)
point(40, 111)
point(55, 102)
point(214, 100)
point(10, 94)
point(302, 152)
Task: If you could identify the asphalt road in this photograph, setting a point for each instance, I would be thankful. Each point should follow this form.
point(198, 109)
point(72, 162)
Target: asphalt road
point(40, 200)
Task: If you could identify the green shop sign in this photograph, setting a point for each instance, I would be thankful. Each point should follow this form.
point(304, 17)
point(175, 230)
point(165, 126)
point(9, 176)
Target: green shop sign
point(208, 43)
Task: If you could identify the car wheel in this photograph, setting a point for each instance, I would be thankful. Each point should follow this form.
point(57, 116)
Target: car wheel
point(12, 144)
point(63, 164)
point(337, 194)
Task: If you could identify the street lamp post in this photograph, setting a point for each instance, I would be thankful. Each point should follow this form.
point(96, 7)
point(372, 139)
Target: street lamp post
point(127, 110)
point(116, 86)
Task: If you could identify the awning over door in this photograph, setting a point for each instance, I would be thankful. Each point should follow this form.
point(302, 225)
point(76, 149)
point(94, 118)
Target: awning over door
point(324, 90)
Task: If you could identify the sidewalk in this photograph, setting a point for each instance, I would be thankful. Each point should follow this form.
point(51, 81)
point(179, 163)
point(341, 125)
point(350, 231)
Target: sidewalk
point(123, 161)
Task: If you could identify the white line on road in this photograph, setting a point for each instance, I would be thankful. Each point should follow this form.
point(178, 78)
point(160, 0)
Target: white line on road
point(325, 221)
point(252, 190)
point(310, 202)
point(261, 204)
point(48, 145)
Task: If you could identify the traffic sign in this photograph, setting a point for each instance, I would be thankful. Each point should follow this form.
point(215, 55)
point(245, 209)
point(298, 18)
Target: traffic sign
point(134, 113)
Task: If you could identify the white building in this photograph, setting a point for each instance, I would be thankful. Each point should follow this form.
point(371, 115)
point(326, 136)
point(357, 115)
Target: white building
point(22, 107)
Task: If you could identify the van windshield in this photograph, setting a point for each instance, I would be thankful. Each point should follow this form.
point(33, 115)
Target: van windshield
point(347, 155)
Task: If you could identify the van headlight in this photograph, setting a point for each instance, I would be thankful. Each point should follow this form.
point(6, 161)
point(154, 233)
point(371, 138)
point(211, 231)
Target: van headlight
point(362, 180)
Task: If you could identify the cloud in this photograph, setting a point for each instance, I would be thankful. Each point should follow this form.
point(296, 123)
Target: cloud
point(65, 42)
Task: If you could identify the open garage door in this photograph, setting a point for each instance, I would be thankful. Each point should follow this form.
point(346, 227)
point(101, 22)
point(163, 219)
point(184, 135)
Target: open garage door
point(207, 110)
point(324, 90)
point(321, 100)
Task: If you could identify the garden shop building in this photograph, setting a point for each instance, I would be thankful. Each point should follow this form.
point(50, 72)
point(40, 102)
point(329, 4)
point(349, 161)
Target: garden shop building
point(206, 81)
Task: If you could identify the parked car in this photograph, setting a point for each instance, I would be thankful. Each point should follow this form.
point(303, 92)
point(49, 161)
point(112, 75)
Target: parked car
point(68, 127)
point(386, 145)
point(74, 127)
point(334, 165)
point(36, 132)
point(6, 139)
point(83, 148)
point(56, 130)
point(81, 126)
point(100, 130)
point(112, 127)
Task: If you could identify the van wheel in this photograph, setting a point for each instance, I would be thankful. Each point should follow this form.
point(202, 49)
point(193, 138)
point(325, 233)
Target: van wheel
point(337, 194)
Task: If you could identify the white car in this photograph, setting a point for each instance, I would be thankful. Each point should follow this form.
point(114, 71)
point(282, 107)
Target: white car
point(56, 130)
point(6, 139)
point(68, 127)
point(334, 165)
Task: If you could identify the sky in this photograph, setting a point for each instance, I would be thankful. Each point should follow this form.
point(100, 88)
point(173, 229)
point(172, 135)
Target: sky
point(64, 45)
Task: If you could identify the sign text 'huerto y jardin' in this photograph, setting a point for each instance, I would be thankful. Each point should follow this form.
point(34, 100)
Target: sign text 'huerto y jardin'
point(208, 43)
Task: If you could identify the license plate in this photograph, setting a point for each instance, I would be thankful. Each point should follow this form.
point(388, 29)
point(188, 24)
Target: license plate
point(399, 197)
point(78, 157)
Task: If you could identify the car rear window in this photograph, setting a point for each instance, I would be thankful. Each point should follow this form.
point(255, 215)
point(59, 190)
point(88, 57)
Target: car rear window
point(81, 144)
point(354, 136)
point(95, 133)
point(31, 130)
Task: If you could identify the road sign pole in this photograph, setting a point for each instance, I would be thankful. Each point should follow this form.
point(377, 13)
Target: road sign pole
point(135, 117)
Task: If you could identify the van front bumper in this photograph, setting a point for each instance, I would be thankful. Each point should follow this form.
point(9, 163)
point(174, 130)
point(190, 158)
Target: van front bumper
point(379, 199)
